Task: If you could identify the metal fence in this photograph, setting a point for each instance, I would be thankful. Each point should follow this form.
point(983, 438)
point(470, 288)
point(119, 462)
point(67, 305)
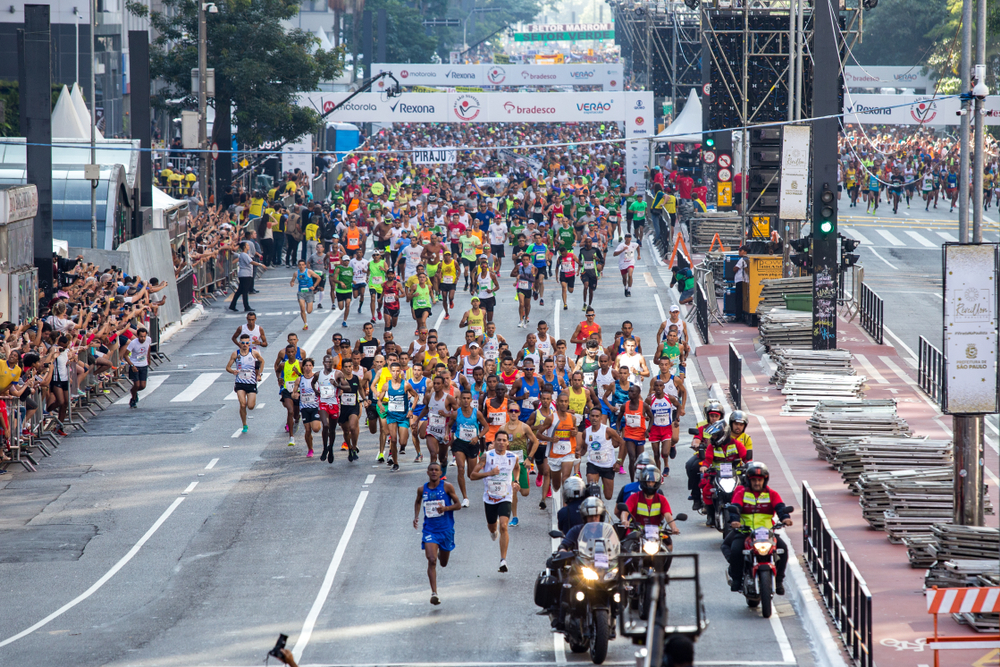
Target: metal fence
point(930, 370)
point(701, 311)
point(871, 313)
point(185, 289)
point(736, 377)
point(841, 586)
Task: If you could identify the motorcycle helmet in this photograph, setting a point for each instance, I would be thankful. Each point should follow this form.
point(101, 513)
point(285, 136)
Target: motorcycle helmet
point(645, 459)
point(573, 489)
point(650, 479)
point(757, 469)
point(738, 417)
point(717, 433)
point(712, 405)
point(591, 507)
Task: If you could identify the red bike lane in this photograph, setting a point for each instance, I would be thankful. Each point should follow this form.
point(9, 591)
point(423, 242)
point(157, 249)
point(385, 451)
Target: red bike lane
point(900, 621)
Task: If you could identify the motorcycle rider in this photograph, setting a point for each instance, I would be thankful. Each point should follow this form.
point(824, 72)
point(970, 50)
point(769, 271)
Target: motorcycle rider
point(645, 459)
point(573, 492)
point(738, 430)
point(649, 506)
point(713, 412)
point(755, 507)
point(721, 449)
point(591, 511)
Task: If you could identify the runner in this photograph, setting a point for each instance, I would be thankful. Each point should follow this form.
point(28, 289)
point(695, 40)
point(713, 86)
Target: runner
point(420, 294)
point(400, 398)
point(343, 284)
point(391, 292)
point(567, 273)
point(605, 451)
point(661, 440)
point(524, 273)
point(307, 280)
point(591, 263)
point(498, 468)
point(439, 501)
point(252, 329)
point(137, 357)
point(635, 362)
point(359, 276)
point(328, 384)
point(562, 437)
point(627, 252)
point(317, 263)
point(467, 423)
point(249, 365)
point(418, 383)
point(290, 372)
point(636, 417)
point(449, 276)
point(540, 257)
point(470, 244)
point(352, 388)
point(474, 318)
point(434, 425)
point(486, 285)
point(377, 269)
point(519, 434)
point(304, 391)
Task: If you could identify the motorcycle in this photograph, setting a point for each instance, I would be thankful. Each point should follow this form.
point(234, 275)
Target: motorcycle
point(760, 551)
point(644, 554)
point(579, 590)
point(724, 481)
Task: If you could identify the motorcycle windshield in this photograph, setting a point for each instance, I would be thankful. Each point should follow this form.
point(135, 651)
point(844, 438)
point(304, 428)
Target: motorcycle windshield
point(598, 540)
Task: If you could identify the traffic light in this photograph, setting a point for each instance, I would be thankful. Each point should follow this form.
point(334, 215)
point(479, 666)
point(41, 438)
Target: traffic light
point(710, 142)
point(828, 212)
point(803, 256)
point(847, 245)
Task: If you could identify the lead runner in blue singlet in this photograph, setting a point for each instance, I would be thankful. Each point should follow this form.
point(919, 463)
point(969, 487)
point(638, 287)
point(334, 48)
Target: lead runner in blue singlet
point(438, 501)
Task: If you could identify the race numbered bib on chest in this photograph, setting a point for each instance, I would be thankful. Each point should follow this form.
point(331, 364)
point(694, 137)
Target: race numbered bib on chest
point(633, 420)
point(349, 399)
point(498, 418)
point(588, 378)
point(436, 421)
point(390, 298)
point(590, 265)
point(433, 508)
point(661, 420)
point(467, 432)
point(448, 280)
point(397, 404)
point(597, 455)
point(523, 284)
point(497, 488)
point(327, 392)
point(562, 447)
point(369, 350)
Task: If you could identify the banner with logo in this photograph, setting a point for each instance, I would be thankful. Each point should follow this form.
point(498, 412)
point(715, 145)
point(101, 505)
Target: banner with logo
point(970, 328)
point(911, 109)
point(609, 75)
point(639, 124)
point(887, 77)
point(435, 156)
point(636, 109)
point(795, 141)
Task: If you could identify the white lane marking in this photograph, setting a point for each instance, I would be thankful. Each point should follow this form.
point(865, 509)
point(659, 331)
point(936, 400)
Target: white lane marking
point(899, 340)
point(439, 320)
point(946, 236)
point(195, 389)
point(100, 582)
point(717, 370)
point(211, 464)
point(556, 317)
point(151, 385)
point(872, 372)
point(317, 336)
point(331, 572)
point(889, 236)
point(779, 633)
point(369, 479)
point(659, 307)
point(558, 642)
point(875, 252)
point(189, 489)
point(237, 433)
point(921, 240)
point(855, 234)
point(263, 378)
point(748, 375)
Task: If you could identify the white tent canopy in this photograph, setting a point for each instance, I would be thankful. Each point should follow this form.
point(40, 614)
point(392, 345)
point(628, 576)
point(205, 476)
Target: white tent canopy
point(82, 112)
point(687, 127)
point(65, 123)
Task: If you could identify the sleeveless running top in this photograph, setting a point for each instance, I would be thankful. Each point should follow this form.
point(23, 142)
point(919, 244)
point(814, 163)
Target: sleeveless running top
point(635, 423)
point(499, 488)
point(435, 420)
point(307, 395)
point(246, 369)
point(466, 428)
point(600, 447)
point(433, 501)
point(399, 400)
point(496, 417)
point(420, 388)
point(477, 323)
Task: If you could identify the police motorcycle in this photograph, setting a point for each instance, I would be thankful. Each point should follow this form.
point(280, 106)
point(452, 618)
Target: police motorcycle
point(578, 590)
point(724, 479)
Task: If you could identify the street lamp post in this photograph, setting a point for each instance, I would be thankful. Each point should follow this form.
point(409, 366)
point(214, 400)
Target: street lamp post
point(203, 99)
point(93, 127)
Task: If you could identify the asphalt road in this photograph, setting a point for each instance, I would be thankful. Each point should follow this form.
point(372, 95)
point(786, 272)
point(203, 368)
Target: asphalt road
point(164, 537)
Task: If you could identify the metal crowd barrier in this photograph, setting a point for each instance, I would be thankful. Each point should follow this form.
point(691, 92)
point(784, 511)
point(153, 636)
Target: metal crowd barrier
point(185, 289)
point(736, 377)
point(842, 587)
point(871, 308)
point(930, 370)
point(701, 311)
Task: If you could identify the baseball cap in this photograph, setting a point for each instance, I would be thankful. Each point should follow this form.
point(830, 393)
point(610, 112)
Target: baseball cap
point(675, 309)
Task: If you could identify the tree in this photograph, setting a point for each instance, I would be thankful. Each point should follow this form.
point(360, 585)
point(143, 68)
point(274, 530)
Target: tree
point(947, 54)
point(259, 66)
point(900, 32)
point(407, 40)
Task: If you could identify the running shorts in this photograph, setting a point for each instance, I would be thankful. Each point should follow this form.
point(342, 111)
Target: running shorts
point(604, 473)
point(495, 511)
point(248, 388)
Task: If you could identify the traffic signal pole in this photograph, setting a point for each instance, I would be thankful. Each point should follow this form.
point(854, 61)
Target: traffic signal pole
point(824, 177)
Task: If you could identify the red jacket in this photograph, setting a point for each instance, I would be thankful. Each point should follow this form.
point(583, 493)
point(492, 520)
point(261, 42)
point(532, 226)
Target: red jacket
point(648, 511)
point(735, 451)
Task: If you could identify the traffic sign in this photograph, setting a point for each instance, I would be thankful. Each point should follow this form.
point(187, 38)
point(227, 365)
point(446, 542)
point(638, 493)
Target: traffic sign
point(706, 90)
point(725, 195)
point(708, 157)
point(215, 151)
point(725, 160)
point(724, 175)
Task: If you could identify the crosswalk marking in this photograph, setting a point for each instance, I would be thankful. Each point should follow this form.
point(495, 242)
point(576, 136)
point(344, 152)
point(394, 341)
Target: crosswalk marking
point(151, 385)
point(888, 236)
point(854, 234)
point(195, 389)
point(946, 236)
point(263, 379)
point(920, 239)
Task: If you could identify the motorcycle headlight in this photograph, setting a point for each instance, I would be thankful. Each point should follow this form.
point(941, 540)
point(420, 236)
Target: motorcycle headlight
point(589, 574)
point(651, 547)
point(611, 575)
point(763, 548)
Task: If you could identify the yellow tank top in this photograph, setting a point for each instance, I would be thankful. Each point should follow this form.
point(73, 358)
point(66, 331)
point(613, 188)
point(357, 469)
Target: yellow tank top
point(291, 372)
point(477, 323)
point(430, 361)
point(577, 402)
point(449, 272)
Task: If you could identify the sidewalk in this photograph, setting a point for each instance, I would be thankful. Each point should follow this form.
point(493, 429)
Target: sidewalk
point(784, 444)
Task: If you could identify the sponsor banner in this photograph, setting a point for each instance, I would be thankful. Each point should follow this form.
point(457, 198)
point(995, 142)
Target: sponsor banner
point(18, 202)
point(795, 140)
point(609, 75)
point(495, 182)
point(570, 36)
point(435, 156)
point(635, 108)
point(970, 328)
point(911, 110)
point(566, 27)
point(887, 77)
point(509, 156)
point(639, 117)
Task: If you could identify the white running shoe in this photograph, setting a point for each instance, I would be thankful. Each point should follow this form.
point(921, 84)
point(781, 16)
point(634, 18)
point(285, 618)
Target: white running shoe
point(503, 565)
point(465, 502)
point(494, 535)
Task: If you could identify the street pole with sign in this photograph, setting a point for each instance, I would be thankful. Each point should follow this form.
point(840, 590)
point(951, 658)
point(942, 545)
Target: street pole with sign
point(203, 99)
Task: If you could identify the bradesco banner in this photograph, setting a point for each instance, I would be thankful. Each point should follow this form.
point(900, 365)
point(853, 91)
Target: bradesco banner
point(911, 109)
point(609, 75)
point(489, 108)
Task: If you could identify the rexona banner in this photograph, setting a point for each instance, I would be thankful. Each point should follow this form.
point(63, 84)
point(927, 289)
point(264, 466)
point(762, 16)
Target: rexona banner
point(609, 75)
point(911, 109)
point(635, 109)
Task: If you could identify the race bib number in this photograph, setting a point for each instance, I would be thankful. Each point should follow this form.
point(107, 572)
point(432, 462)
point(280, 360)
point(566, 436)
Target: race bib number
point(726, 469)
point(590, 265)
point(633, 420)
point(432, 508)
point(562, 447)
point(436, 421)
point(327, 391)
point(498, 418)
point(397, 404)
point(390, 298)
point(652, 532)
point(523, 284)
point(588, 378)
point(539, 256)
point(661, 420)
point(375, 281)
point(349, 399)
point(467, 432)
point(599, 456)
point(497, 488)
point(369, 350)
point(448, 280)
point(567, 267)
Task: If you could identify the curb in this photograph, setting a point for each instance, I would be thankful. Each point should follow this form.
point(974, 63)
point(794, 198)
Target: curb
point(186, 318)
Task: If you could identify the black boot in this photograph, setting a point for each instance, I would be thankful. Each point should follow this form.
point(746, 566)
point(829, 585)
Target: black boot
point(779, 586)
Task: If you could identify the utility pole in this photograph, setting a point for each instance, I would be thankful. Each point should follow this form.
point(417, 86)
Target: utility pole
point(963, 131)
point(203, 100)
point(94, 169)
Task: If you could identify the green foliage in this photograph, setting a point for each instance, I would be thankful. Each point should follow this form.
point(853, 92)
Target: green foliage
point(136, 8)
point(10, 124)
point(901, 32)
point(946, 56)
point(259, 66)
point(406, 39)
